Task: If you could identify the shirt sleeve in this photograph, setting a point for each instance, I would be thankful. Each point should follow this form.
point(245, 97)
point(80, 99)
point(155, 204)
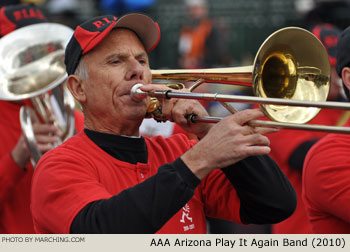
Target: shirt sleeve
point(82, 204)
point(144, 208)
point(10, 174)
point(326, 176)
point(61, 187)
point(265, 194)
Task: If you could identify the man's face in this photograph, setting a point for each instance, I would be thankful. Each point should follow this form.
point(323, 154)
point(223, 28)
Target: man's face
point(336, 86)
point(114, 67)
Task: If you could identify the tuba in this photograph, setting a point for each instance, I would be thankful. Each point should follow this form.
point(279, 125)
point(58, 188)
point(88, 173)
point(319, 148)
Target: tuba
point(32, 71)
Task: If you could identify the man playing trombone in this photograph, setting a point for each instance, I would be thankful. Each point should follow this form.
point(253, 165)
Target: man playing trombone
point(109, 179)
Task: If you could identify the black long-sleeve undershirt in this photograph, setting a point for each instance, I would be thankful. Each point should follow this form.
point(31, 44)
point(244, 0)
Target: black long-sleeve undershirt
point(264, 191)
point(266, 195)
point(296, 159)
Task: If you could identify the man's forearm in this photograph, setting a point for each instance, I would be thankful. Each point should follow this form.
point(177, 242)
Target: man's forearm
point(265, 193)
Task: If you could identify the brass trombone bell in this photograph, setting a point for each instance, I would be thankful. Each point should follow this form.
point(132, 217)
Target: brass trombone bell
point(290, 79)
point(291, 64)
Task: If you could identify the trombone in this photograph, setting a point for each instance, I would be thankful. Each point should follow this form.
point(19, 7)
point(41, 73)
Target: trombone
point(290, 79)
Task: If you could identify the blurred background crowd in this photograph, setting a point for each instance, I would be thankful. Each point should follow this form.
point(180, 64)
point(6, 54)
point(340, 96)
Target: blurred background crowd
point(242, 24)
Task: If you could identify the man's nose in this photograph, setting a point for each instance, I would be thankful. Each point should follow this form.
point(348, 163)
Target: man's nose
point(135, 70)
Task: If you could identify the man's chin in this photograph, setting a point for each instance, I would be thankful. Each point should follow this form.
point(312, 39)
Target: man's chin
point(136, 114)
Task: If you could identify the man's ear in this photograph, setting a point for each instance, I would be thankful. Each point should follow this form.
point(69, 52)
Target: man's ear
point(76, 87)
point(345, 74)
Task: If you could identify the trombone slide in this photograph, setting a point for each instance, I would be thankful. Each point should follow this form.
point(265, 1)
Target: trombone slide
point(138, 94)
point(262, 123)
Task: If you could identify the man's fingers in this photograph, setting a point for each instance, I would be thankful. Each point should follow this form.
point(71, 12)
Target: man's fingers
point(40, 128)
point(258, 139)
point(46, 129)
point(46, 136)
point(244, 116)
point(256, 150)
point(46, 139)
point(44, 147)
point(265, 130)
point(247, 130)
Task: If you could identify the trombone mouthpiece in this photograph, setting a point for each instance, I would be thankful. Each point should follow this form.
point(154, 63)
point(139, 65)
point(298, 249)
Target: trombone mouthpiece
point(136, 93)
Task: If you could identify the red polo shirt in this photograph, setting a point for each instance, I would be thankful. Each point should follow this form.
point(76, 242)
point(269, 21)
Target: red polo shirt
point(70, 177)
point(15, 217)
point(326, 184)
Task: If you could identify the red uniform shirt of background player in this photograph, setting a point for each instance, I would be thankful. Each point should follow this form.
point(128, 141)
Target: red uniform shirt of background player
point(15, 216)
point(90, 174)
point(151, 127)
point(326, 184)
point(283, 143)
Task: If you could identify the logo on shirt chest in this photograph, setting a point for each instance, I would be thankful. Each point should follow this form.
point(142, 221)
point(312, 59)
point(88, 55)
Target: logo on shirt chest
point(186, 218)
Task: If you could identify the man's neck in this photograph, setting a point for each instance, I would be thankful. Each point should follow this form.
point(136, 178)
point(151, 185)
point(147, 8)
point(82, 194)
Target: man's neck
point(126, 128)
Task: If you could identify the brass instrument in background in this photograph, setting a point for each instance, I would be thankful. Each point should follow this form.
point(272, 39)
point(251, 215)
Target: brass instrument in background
point(290, 78)
point(32, 67)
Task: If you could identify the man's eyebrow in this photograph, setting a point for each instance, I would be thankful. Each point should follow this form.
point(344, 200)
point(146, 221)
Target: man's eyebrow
point(123, 55)
point(142, 54)
point(115, 55)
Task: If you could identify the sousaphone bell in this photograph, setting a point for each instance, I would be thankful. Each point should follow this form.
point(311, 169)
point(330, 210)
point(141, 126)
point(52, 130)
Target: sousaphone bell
point(32, 71)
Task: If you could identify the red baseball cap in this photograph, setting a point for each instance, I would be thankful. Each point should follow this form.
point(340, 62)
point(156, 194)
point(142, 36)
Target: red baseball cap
point(90, 33)
point(328, 35)
point(343, 51)
point(13, 17)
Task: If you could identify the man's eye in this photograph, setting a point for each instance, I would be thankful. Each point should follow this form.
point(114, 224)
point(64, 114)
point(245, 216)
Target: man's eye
point(114, 61)
point(142, 61)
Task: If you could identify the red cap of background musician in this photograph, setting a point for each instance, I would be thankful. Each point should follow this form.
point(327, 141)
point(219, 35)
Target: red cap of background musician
point(13, 17)
point(90, 33)
point(343, 51)
point(328, 35)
